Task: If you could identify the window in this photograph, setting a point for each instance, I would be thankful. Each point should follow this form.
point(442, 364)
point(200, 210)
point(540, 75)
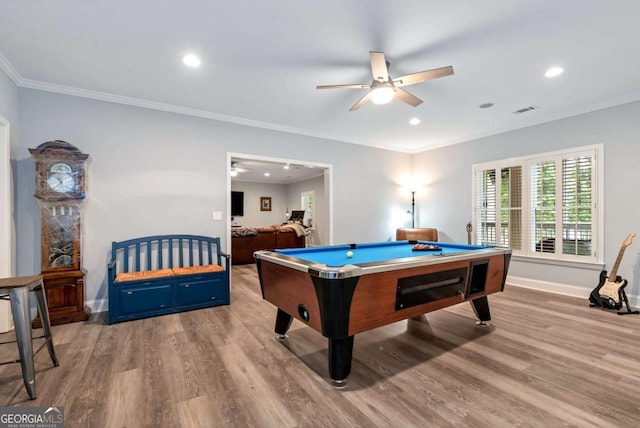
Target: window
point(541, 206)
point(307, 204)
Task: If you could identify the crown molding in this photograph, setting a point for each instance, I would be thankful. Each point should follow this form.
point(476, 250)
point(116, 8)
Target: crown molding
point(10, 70)
point(138, 102)
point(533, 121)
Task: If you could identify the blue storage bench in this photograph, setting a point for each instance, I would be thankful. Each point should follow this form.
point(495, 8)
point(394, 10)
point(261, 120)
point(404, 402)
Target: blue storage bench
point(158, 275)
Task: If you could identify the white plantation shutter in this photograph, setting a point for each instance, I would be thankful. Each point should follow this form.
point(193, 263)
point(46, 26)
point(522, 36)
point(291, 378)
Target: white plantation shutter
point(499, 207)
point(511, 208)
point(486, 207)
point(541, 206)
point(577, 201)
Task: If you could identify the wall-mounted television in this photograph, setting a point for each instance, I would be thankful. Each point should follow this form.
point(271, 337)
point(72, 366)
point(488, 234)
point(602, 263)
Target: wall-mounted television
point(237, 203)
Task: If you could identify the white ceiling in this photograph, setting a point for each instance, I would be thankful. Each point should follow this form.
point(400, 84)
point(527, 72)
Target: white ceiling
point(261, 60)
point(255, 170)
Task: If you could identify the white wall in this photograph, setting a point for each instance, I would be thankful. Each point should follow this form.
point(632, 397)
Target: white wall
point(153, 172)
point(445, 202)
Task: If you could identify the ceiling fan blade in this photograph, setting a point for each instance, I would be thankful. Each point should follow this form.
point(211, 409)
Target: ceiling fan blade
point(349, 86)
point(421, 76)
point(408, 98)
point(379, 66)
point(362, 101)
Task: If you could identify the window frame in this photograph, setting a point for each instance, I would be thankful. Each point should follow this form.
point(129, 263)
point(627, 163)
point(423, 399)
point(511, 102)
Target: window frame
point(596, 152)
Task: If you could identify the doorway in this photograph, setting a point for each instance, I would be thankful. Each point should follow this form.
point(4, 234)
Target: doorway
point(246, 167)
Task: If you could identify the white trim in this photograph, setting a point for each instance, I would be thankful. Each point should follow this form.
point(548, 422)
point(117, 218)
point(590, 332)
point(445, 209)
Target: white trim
point(153, 105)
point(13, 74)
point(563, 289)
point(99, 305)
point(7, 255)
point(10, 71)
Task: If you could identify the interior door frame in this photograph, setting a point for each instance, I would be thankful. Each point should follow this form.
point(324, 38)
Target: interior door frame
point(7, 251)
point(328, 186)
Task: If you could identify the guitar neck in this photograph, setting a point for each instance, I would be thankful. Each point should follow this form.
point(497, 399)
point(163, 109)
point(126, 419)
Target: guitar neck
point(616, 265)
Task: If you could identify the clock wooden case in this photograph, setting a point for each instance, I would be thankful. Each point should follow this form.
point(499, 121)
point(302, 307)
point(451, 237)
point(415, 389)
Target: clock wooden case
point(60, 189)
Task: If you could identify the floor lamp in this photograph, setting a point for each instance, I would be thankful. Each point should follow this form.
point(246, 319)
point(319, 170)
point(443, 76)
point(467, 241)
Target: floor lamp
point(413, 209)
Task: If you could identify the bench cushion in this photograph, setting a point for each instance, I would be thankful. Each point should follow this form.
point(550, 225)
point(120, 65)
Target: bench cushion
point(147, 274)
point(197, 269)
point(161, 273)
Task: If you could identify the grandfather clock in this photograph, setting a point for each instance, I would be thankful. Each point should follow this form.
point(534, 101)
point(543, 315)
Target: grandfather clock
point(60, 189)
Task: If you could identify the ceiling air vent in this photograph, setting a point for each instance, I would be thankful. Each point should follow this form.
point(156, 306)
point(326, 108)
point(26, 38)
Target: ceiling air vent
point(525, 109)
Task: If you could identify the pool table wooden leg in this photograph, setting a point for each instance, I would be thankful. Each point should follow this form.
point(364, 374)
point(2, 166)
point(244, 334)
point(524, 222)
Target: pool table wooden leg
point(340, 354)
point(481, 308)
point(283, 322)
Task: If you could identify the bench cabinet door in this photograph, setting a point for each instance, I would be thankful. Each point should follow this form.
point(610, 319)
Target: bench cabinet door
point(201, 292)
point(145, 298)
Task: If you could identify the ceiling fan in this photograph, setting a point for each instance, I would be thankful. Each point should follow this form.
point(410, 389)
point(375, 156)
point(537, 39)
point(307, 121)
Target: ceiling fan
point(383, 88)
point(235, 169)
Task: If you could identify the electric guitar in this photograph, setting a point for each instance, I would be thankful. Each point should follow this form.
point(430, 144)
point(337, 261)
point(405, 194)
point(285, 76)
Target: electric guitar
point(609, 292)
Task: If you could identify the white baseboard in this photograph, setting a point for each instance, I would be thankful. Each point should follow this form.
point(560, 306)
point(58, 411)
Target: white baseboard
point(557, 288)
point(100, 305)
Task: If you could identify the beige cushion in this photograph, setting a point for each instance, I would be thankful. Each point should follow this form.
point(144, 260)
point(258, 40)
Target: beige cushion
point(197, 269)
point(147, 274)
point(160, 273)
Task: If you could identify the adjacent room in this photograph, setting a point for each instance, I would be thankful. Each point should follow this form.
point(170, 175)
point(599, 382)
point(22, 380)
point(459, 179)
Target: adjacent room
point(310, 214)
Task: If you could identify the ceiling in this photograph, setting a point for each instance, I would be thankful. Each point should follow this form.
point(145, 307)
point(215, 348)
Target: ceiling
point(262, 60)
point(255, 170)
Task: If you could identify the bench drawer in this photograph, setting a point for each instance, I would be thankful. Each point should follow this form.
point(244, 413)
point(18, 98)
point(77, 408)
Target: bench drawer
point(201, 292)
point(141, 298)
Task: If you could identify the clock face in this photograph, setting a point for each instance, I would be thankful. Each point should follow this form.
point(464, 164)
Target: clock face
point(60, 167)
point(61, 182)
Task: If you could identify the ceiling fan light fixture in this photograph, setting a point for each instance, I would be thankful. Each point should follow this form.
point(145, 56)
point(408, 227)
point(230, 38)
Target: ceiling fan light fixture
point(233, 172)
point(382, 94)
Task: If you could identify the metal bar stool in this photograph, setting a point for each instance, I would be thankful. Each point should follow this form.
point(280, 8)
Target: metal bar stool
point(17, 291)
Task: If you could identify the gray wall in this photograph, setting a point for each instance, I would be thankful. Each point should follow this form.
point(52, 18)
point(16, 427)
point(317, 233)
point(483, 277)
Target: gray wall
point(253, 191)
point(153, 172)
point(446, 201)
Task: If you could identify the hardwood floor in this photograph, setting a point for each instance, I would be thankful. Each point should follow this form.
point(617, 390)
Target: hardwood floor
point(545, 361)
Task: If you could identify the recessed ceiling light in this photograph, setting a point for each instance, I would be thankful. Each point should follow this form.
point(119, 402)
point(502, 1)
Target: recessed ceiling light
point(191, 60)
point(286, 166)
point(486, 105)
point(414, 121)
point(553, 72)
point(266, 174)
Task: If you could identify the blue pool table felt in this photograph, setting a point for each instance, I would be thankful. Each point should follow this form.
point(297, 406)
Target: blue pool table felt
point(336, 255)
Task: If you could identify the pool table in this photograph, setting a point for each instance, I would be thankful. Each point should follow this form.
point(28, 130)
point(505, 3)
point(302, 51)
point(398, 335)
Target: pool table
point(343, 290)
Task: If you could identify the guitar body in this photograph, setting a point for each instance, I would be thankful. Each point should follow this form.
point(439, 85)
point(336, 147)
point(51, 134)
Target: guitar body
point(610, 290)
point(611, 293)
point(594, 297)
